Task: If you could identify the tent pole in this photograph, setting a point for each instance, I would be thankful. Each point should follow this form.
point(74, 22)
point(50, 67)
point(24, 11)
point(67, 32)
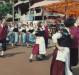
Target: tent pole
point(66, 10)
point(66, 13)
point(42, 13)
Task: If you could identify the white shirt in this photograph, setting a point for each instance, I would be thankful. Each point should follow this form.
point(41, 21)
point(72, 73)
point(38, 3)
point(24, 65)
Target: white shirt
point(21, 29)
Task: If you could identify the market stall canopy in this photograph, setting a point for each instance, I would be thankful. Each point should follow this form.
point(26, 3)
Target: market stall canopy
point(66, 7)
point(42, 3)
point(76, 0)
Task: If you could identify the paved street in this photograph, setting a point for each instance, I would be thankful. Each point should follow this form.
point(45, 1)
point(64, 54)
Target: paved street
point(17, 63)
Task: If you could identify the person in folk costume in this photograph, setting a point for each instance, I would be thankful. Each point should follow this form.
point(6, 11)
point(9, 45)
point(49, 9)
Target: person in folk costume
point(3, 35)
point(46, 34)
point(74, 44)
point(0, 43)
point(31, 38)
point(12, 36)
point(23, 34)
point(19, 25)
point(39, 46)
point(8, 35)
point(61, 56)
point(16, 34)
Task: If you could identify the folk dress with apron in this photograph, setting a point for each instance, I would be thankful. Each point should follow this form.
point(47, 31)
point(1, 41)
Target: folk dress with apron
point(12, 36)
point(23, 36)
point(40, 41)
point(30, 36)
point(61, 59)
point(16, 34)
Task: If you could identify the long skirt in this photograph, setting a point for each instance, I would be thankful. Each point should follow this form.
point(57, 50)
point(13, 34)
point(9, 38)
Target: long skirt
point(57, 67)
point(41, 42)
point(73, 56)
point(7, 39)
point(12, 38)
point(0, 44)
point(16, 37)
point(30, 38)
point(23, 38)
point(35, 49)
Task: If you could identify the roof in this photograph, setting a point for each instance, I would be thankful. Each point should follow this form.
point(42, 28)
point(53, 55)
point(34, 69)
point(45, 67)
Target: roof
point(42, 3)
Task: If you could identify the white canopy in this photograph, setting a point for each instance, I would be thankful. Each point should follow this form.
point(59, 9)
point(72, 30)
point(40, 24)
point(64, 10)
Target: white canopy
point(42, 3)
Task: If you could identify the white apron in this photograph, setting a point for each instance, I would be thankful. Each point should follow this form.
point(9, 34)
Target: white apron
point(41, 42)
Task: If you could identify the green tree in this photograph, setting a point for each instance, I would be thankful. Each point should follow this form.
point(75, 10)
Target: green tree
point(5, 9)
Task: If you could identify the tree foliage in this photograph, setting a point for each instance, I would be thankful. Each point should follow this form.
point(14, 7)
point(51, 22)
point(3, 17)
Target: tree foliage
point(5, 9)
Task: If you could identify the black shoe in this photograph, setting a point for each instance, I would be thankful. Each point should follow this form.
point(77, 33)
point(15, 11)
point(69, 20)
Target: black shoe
point(2, 56)
point(71, 70)
point(40, 59)
point(37, 58)
point(16, 44)
point(30, 60)
point(44, 56)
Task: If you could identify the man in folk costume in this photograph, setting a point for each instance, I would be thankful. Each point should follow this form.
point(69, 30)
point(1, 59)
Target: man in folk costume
point(3, 35)
point(46, 36)
point(74, 44)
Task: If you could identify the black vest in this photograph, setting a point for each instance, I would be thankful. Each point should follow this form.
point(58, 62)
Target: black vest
point(65, 40)
point(24, 30)
point(31, 31)
point(15, 30)
point(39, 33)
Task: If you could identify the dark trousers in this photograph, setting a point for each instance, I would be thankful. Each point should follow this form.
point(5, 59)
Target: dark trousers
point(73, 56)
point(3, 44)
point(46, 42)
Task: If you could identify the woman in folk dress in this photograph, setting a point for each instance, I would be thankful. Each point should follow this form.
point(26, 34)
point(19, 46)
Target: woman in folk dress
point(61, 56)
point(16, 34)
point(23, 34)
point(12, 37)
point(30, 36)
point(39, 47)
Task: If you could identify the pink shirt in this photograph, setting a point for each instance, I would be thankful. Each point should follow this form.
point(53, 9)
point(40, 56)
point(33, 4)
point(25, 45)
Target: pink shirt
point(74, 42)
point(46, 33)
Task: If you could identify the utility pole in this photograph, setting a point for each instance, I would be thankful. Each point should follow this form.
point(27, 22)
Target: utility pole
point(13, 10)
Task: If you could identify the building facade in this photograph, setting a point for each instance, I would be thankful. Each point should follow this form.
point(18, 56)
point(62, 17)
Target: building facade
point(20, 7)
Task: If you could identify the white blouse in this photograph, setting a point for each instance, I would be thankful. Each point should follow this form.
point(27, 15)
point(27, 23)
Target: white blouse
point(56, 36)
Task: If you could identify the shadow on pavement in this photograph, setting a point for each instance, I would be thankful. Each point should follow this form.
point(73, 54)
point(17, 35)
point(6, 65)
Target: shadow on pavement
point(50, 47)
point(75, 71)
point(13, 54)
point(8, 48)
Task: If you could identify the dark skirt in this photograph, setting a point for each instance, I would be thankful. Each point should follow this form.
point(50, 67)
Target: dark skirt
point(35, 49)
point(57, 67)
point(73, 56)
